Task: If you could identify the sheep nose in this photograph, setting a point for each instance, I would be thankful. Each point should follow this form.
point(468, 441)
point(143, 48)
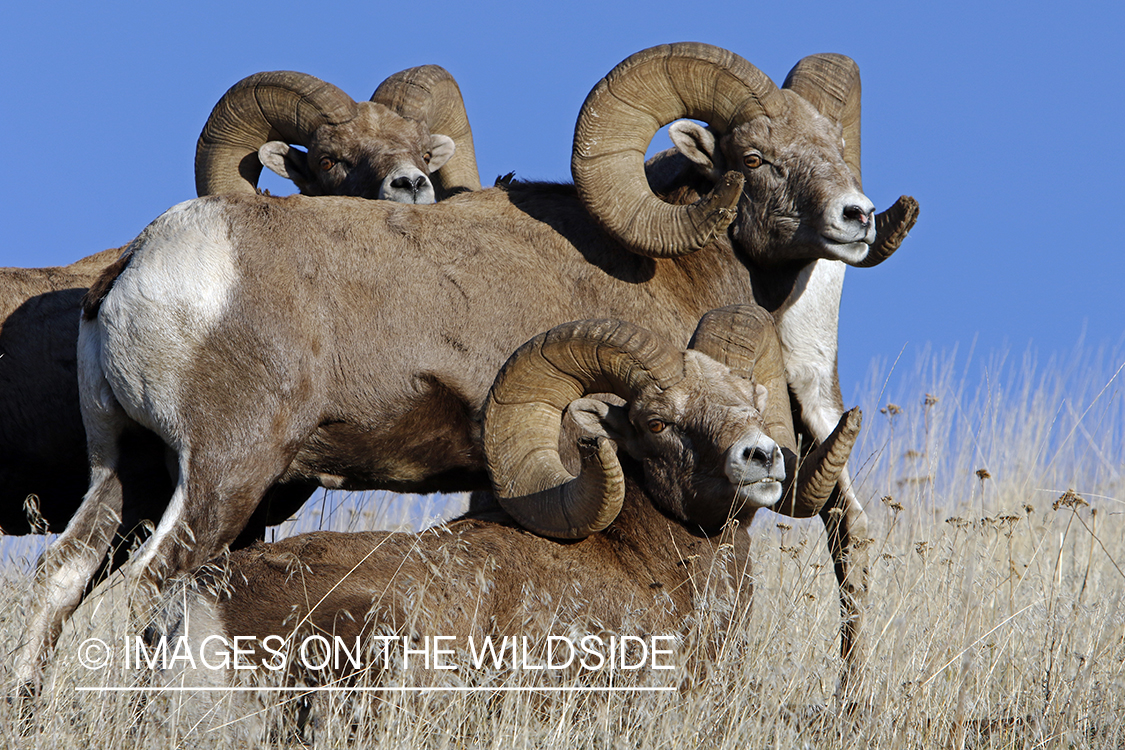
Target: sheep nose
point(757, 454)
point(413, 184)
point(857, 214)
point(755, 458)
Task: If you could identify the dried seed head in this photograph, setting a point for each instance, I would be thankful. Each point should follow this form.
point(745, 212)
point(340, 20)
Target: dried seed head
point(983, 474)
point(1069, 499)
point(890, 503)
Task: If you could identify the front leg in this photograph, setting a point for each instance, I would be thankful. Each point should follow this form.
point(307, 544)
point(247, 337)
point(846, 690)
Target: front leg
point(808, 325)
point(845, 523)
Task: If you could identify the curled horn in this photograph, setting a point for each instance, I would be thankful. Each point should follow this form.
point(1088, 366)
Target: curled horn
point(275, 106)
point(891, 228)
point(743, 338)
point(429, 94)
point(820, 470)
point(523, 413)
point(831, 83)
point(623, 112)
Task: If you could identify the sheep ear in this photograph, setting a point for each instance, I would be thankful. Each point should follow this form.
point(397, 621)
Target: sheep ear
point(291, 163)
point(761, 396)
point(698, 144)
point(597, 418)
point(441, 149)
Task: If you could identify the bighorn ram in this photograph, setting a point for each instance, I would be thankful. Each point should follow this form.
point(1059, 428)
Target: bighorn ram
point(388, 148)
point(288, 342)
point(662, 484)
point(370, 145)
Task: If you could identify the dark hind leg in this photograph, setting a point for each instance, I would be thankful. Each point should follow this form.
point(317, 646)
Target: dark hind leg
point(282, 501)
point(220, 487)
point(845, 525)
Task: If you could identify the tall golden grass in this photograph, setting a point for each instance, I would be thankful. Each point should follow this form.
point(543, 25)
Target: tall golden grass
point(996, 497)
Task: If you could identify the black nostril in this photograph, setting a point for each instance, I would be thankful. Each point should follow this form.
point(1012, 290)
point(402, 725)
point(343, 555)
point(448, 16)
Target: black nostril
point(857, 214)
point(755, 454)
point(413, 184)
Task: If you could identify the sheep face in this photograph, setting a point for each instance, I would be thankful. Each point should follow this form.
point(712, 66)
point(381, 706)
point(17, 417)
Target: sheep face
point(800, 199)
point(341, 137)
point(378, 155)
point(700, 443)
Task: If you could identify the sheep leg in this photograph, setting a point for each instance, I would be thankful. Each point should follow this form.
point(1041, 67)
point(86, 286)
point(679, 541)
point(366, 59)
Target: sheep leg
point(809, 333)
point(217, 493)
point(68, 566)
point(845, 524)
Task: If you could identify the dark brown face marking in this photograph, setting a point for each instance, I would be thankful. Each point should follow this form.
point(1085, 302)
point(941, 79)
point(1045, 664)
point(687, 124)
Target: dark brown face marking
point(700, 418)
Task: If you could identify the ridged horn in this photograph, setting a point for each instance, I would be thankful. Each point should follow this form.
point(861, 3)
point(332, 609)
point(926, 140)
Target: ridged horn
point(820, 470)
point(891, 228)
point(523, 416)
point(273, 106)
point(744, 338)
point(618, 120)
point(831, 83)
point(429, 94)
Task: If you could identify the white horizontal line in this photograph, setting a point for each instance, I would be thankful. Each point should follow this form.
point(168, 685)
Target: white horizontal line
point(373, 689)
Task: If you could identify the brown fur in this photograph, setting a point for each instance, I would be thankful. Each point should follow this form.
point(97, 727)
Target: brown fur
point(363, 150)
point(92, 300)
point(42, 440)
point(673, 546)
point(276, 397)
point(645, 573)
point(42, 443)
point(341, 304)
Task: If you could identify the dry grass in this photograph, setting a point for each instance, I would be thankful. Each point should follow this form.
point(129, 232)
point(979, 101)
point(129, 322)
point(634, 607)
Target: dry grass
point(997, 507)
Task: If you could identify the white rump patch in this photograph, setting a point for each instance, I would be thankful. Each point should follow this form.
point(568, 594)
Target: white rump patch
point(163, 307)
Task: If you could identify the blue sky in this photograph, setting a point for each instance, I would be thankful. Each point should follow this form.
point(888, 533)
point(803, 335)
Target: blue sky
point(1004, 120)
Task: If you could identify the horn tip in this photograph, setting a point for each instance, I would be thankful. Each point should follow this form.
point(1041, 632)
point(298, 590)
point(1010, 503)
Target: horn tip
point(891, 227)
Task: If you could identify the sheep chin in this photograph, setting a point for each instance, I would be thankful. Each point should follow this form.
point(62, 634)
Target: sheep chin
point(760, 494)
point(848, 252)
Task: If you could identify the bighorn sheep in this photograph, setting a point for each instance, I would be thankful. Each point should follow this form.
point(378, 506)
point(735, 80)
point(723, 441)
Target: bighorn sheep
point(286, 342)
point(371, 145)
point(387, 148)
point(657, 526)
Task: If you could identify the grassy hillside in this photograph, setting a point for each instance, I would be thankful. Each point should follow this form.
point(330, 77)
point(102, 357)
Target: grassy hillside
point(996, 496)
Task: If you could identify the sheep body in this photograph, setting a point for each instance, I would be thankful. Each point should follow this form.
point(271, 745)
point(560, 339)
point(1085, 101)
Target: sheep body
point(44, 467)
point(358, 339)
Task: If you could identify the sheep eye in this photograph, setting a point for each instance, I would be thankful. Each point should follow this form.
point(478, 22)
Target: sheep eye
point(753, 161)
point(426, 157)
point(327, 162)
point(656, 426)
